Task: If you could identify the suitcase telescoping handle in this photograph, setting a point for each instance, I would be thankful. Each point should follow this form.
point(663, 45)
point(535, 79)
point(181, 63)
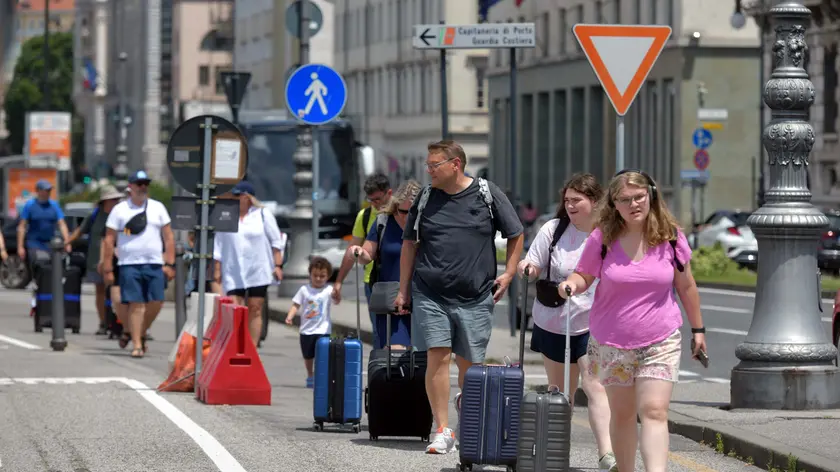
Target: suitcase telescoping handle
point(568, 353)
point(388, 347)
point(359, 282)
point(523, 322)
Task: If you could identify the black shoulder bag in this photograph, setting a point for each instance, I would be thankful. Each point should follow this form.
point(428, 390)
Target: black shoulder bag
point(137, 223)
point(547, 293)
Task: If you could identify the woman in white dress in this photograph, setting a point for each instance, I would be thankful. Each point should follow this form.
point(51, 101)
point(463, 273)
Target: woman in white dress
point(251, 259)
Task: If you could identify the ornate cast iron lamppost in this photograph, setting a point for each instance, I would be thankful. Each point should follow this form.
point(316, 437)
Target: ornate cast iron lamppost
point(787, 360)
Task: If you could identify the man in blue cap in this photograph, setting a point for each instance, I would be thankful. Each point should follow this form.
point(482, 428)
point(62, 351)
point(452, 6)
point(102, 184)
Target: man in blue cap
point(39, 219)
point(140, 228)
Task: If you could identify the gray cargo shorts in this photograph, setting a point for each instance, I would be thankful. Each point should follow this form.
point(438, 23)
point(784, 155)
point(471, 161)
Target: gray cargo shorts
point(464, 329)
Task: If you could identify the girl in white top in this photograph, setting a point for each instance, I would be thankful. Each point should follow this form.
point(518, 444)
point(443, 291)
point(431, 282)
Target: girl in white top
point(251, 259)
point(554, 256)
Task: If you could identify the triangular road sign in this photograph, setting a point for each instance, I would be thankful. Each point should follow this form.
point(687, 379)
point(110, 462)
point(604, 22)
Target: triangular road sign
point(235, 84)
point(622, 57)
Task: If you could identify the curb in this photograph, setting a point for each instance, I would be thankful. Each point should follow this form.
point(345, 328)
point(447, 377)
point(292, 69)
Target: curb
point(766, 453)
point(746, 288)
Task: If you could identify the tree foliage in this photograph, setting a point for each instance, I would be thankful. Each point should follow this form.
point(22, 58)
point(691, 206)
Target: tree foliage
point(25, 92)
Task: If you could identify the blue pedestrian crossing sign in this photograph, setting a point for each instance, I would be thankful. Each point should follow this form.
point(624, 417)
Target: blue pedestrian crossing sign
point(316, 94)
point(702, 138)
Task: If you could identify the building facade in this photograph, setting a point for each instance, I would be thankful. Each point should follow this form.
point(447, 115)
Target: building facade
point(394, 90)
point(265, 48)
point(202, 48)
point(566, 124)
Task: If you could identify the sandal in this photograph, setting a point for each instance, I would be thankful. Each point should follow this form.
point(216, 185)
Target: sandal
point(143, 341)
point(125, 338)
point(137, 353)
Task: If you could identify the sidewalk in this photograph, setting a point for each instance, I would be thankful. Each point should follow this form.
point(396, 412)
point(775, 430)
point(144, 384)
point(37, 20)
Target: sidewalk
point(779, 441)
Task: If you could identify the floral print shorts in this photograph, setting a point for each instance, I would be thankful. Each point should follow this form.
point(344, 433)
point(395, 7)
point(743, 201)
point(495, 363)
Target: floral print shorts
point(620, 367)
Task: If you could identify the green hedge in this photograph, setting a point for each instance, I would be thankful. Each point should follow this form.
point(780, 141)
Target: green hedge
point(157, 191)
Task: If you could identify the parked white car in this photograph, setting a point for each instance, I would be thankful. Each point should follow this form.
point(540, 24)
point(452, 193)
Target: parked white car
point(729, 228)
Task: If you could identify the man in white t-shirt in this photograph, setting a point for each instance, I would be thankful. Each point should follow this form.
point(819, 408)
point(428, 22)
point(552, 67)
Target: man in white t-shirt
point(141, 229)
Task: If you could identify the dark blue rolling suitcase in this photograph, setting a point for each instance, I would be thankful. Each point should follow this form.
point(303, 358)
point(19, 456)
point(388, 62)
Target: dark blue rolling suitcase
point(488, 428)
point(338, 377)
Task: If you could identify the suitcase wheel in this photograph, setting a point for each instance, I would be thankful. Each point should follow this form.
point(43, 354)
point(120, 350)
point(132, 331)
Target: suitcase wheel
point(462, 467)
point(374, 438)
point(424, 438)
point(356, 428)
point(510, 468)
point(39, 329)
point(77, 330)
point(318, 426)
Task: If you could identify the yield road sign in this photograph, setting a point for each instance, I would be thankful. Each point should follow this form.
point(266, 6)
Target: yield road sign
point(316, 94)
point(622, 56)
point(480, 36)
point(235, 84)
point(702, 138)
point(701, 159)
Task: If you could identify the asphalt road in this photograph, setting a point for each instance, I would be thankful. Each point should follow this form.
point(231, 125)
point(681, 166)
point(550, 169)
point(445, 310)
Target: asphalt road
point(92, 408)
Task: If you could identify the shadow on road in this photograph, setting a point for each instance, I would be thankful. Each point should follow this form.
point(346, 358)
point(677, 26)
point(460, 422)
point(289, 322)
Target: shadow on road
point(405, 444)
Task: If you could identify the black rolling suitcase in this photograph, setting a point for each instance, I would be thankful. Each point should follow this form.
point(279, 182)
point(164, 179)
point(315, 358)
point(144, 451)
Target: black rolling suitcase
point(395, 398)
point(72, 298)
point(546, 425)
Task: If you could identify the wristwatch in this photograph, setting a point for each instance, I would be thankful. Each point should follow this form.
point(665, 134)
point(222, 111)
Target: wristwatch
point(701, 330)
point(170, 265)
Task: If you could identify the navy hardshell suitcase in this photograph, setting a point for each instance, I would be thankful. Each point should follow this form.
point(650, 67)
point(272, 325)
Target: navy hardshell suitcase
point(338, 377)
point(491, 399)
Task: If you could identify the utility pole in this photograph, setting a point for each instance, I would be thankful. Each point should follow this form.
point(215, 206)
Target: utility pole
point(121, 168)
point(787, 358)
point(304, 218)
point(46, 86)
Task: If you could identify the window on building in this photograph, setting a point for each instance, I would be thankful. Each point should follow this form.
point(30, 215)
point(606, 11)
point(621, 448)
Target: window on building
point(669, 13)
point(220, 84)
point(599, 12)
point(215, 41)
point(204, 75)
point(830, 89)
point(562, 32)
point(579, 16)
point(617, 11)
point(560, 122)
point(545, 31)
point(637, 12)
point(479, 87)
point(654, 11)
point(578, 148)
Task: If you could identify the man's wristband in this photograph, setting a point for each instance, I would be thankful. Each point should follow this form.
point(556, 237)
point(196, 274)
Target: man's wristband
point(698, 330)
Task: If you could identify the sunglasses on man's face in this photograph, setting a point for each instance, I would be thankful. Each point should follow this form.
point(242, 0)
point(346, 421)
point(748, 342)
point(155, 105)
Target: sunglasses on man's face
point(402, 211)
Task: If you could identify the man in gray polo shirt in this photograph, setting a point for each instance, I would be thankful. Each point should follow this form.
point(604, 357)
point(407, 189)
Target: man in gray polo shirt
point(448, 273)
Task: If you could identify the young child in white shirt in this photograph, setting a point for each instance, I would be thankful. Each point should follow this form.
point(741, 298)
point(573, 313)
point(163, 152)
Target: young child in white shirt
point(314, 302)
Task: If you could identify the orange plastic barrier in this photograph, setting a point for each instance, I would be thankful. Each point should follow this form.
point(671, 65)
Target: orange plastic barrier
point(182, 376)
point(233, 374)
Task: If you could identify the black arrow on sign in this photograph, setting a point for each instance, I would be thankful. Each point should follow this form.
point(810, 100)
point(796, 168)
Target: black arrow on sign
point(424, 37)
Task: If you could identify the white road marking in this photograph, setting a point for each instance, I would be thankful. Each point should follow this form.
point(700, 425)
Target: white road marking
point(18, 343)
point(214, 450)
point(738, 293)
point(736, 332)
point(743, 311)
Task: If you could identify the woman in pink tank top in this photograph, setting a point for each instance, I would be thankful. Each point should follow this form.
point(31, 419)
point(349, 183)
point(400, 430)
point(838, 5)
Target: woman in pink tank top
point(639, 256)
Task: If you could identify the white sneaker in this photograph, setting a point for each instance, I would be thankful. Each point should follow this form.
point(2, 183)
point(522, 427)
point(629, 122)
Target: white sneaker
point(443, 442)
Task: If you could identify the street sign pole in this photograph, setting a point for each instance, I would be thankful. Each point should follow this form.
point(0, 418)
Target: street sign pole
point(621, 56)
point(316, 95)
point(207, 155)
point(511, 36)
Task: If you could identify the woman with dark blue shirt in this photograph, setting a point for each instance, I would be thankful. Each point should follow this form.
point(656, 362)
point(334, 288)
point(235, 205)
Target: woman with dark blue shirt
point(387, 243)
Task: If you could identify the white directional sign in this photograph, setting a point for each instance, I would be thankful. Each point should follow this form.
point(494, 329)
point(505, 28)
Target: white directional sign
point(481, 36)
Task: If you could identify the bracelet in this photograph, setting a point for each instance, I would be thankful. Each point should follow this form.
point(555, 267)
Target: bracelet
point(279, 266)
point(698, 330)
